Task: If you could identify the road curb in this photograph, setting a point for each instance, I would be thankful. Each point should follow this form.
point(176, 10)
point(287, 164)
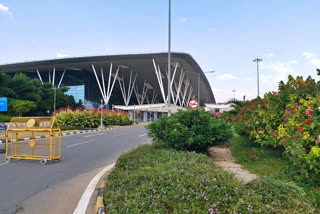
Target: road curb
point(99, 207)
point(75, 133)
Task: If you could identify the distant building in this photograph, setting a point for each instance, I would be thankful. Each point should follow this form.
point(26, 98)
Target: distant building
point(122, 79)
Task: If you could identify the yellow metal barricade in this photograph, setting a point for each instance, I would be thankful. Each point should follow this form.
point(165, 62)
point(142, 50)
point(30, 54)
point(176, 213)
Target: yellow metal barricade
point(35, 148)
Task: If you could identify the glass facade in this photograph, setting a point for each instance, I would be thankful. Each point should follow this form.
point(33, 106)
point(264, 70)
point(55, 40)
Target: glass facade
point(77, 91)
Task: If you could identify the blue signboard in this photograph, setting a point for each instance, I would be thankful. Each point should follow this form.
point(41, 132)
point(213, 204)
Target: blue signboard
point(3, 104)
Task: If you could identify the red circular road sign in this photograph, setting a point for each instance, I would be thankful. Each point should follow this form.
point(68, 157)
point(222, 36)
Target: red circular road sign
point(193, 104)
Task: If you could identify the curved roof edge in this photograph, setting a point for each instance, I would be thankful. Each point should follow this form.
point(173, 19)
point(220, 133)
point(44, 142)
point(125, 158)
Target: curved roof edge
point(16, 66)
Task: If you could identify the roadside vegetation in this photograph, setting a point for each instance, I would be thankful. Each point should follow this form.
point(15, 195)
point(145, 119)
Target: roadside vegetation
point(75, 119)
point(274, 168)
point(30, 97)
point(168, 178)
point(288, 121)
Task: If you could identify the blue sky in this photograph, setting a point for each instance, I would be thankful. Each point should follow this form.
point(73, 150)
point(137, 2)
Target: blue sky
point(224, 36)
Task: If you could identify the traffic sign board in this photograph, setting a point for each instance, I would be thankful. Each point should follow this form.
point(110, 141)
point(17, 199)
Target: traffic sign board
point(193, 104)
point(3, 104)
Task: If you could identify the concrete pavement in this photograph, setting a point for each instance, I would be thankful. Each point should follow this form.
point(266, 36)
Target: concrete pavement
point(28, 187)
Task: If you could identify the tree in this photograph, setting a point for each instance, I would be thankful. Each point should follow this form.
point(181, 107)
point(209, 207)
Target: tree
point(21, 106)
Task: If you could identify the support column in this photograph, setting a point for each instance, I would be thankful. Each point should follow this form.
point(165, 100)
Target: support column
point(155, 116)
point(145, 116)
point(131, 115)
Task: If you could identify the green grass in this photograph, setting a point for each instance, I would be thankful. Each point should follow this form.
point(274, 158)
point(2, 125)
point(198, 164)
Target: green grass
point(151, 179)
point(270, 164)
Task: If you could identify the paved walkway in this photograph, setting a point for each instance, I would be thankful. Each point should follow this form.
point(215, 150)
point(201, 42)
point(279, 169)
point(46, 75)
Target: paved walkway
point(223, 158)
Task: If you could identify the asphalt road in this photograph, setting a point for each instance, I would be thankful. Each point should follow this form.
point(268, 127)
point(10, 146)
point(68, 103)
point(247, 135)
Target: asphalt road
point(24, 182)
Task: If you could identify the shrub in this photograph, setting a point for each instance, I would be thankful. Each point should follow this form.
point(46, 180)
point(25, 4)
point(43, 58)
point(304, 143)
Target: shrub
point(191, 130)
point(91, 118)
point(288, 120)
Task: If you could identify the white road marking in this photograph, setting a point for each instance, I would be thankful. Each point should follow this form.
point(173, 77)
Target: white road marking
point(120, 134)
point(1, 164)
point(85, 198)
point(142, 135)
point(89, 136)
point(100, 134)
point(80, 143)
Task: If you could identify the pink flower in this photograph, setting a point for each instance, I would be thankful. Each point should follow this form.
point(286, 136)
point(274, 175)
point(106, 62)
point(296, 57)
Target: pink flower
point(309, 112)
point(318, 137)
point(300, 129)
point(287, 112)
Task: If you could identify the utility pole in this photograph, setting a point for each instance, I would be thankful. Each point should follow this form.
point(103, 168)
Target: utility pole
point(54, 99)
point(257, 60)
point(101, 125)
point(169, 60)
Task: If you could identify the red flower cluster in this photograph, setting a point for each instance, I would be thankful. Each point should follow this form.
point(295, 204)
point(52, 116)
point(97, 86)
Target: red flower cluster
point(309, 112)
point(308, 122)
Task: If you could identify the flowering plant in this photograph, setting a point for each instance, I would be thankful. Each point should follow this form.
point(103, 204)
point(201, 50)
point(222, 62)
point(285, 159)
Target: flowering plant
point(288, 119)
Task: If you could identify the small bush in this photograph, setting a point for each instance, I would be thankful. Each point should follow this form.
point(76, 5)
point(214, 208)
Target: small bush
point(191, 130)
point(283, 196)
point(6, 118)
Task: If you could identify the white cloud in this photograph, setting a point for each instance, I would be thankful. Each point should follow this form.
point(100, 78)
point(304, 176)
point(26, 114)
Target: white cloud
point(312, 59)
point(61, 56)
point(5, 10)
point(183, 20)
point(268, 55)
point(315, 62)
point(226, 77)
point(307, 54)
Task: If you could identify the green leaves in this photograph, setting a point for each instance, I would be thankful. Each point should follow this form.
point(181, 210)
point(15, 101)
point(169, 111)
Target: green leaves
point(191, 130)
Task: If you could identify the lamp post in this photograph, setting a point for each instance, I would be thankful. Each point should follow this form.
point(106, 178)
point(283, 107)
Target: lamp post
point(101, 114)
point(257, 60)
point(234, 94)
point(54, 98)
point(169, 60)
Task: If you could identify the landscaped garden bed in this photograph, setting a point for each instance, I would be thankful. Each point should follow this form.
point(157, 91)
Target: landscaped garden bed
point(170, 177)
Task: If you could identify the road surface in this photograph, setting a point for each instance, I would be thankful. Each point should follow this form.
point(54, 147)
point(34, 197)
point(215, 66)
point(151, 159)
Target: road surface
point(26, 186)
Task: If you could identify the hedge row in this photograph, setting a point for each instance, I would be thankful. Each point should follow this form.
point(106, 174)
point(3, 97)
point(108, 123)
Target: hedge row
point(91, 118)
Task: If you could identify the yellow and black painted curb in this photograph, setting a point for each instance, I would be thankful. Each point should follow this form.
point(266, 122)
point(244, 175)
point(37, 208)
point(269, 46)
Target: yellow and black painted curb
point(78, 132)
point(99, 208)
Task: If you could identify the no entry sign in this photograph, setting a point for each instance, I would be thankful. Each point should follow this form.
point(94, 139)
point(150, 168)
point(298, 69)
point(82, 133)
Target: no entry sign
point(193, 104)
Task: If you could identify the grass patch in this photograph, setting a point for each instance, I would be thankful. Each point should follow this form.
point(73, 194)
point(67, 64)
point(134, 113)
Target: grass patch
point(151, 179)
point(273, 167)
point(267, 162)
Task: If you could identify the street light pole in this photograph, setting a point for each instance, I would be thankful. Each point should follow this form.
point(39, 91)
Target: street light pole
point(101, 114)
point(54, 99)
point(169, 60)
point(257, 60)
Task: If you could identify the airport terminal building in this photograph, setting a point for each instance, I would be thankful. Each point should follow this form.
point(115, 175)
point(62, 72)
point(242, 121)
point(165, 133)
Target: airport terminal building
point(122, 80)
